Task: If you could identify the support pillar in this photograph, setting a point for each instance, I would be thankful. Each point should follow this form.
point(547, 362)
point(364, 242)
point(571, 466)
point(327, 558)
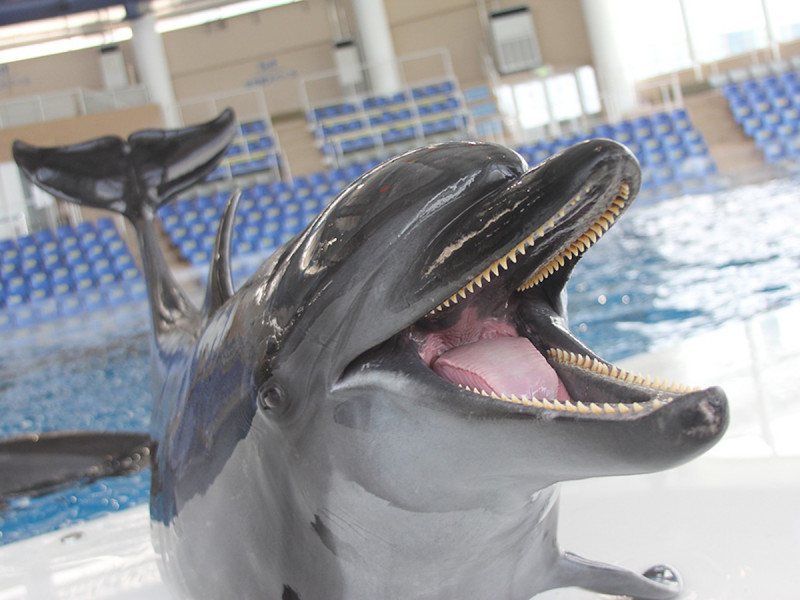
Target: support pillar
point(151, 62)
point(377, 46)
point(616, 82)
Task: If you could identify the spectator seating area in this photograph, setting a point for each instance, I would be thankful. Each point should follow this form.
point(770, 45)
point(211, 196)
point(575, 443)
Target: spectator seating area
point(254, 150)
point(768, 109)
point(269, 214)
point(382, 124)
point(53, 274)
point(61, 273)
point(674, 157)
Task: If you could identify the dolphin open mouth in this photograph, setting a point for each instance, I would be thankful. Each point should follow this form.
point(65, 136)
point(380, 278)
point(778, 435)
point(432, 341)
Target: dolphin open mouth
point(500, 334)
point(503, 335)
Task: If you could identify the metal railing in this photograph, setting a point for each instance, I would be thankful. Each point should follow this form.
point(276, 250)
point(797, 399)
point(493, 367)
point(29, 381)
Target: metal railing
point(67, 104)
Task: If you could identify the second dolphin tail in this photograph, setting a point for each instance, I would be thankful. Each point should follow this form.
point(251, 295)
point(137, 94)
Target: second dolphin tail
point(125, 176)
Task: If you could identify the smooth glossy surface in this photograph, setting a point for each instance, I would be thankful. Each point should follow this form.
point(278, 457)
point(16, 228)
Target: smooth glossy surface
point(303, 448)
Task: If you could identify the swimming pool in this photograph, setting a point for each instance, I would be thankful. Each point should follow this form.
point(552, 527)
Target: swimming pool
point(667, 271)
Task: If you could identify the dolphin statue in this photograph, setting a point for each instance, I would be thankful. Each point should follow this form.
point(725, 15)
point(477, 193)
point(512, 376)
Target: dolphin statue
point(386, 407)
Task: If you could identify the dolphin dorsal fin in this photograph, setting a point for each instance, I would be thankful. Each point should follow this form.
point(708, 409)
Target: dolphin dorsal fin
point(220, 280)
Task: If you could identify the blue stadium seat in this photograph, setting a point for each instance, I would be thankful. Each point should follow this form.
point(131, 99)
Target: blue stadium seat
point(70, 306)
point(8, 321)
point(117, 295)
point(26, 316)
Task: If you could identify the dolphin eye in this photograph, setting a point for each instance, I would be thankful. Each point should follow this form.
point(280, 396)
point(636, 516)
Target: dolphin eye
point(271, 397)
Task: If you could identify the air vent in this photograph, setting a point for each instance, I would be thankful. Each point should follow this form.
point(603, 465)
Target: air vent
point(514, 42)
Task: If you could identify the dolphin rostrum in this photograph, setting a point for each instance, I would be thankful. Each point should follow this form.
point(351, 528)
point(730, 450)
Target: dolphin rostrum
point(385, 408)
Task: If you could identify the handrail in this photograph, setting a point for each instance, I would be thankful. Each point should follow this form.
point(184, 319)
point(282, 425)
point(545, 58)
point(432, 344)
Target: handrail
point(68, 103)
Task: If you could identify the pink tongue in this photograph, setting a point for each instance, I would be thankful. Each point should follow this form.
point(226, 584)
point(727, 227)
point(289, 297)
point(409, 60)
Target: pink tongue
point(503, 365)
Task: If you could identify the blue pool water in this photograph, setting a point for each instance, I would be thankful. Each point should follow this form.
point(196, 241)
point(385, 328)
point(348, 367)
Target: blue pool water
point(668, 270)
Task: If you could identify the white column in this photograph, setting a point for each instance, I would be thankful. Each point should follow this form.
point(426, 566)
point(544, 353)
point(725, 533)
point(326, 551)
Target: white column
point(616, 82)
point(151, 61)
point(377, 46)
point(13, 210)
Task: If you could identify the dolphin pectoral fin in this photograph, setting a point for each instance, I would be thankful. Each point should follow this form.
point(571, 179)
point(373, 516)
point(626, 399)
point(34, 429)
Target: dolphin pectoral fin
point(657, 583)
point(36, 464)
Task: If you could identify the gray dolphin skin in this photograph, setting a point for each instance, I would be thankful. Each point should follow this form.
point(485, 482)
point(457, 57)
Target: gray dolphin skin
point(385, 408)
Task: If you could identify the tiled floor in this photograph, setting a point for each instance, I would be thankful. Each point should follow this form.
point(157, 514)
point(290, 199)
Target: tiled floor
point(729, 521)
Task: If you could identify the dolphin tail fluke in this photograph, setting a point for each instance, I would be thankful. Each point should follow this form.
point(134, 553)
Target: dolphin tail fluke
point(36, 464)
point(134, 177)
point(124, 176)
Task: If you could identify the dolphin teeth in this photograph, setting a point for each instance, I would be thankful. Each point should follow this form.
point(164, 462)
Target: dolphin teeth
point(598, 367)
point(573, 250)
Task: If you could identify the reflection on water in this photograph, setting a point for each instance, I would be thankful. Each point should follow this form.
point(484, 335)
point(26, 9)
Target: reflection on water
point(680, 267)
point(665, 272)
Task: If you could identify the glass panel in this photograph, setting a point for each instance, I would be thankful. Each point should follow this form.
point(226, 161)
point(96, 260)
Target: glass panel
point(590, 95)
point(719, 30)
point(784, 15)
point(655, 37)
point(531, 104)
point(565, 101)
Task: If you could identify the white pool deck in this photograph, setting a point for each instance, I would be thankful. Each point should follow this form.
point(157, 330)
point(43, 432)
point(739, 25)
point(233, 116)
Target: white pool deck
point(729, 521)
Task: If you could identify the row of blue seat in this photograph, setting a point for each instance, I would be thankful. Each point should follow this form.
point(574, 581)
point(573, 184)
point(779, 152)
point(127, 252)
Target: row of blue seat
point(381, 101)
point(768, 109)
point(71, 305)
point(386, 136)
point(268, 215)
point(369, 124)
point(673, 154)
point(253, 150)
point(398, 116)
point(58, 263)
